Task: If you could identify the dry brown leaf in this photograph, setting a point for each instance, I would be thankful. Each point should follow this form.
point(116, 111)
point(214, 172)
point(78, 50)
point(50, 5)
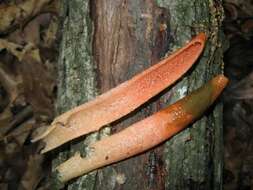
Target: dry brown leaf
point(15, 49)
point(33, 173)
point(11, 84)
point(21, 133)
point(38, 78)
point(4, 99)
point(5, 119)
point(27, 76)
point(15, 15)
point(38, 85)
point(49, 36)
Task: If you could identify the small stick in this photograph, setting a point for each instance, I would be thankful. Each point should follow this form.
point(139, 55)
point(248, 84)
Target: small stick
point(122, 99)
point(145, 134)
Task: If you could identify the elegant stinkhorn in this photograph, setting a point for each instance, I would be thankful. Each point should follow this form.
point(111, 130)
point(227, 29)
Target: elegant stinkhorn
point(122, 99)
point(144, 134)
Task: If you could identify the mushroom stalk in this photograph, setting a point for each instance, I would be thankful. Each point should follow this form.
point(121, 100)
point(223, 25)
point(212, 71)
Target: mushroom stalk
point(144, 134)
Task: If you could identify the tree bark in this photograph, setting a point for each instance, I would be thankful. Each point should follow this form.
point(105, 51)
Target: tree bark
point(107, 42)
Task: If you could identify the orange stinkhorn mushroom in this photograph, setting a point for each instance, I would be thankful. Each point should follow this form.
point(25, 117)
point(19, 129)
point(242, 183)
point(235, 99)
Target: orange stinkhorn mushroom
point(144, 134)
point(122, 99)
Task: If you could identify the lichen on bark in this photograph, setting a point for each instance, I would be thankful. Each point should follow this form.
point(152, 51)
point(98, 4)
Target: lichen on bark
point(76, 74)
point(194, 157)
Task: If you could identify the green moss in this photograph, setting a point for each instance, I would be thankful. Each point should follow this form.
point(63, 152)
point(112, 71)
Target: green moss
point(55, 182)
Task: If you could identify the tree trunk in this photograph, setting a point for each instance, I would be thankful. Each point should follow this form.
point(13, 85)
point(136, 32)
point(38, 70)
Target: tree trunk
point(107, 42)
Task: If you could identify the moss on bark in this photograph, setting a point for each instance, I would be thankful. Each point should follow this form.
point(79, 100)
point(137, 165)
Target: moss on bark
point(77, 77)
point(194, 157)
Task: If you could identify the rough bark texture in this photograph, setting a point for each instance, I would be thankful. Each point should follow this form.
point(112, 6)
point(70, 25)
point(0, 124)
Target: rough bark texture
point(194, 157)
point(77, 78)
point(128, 37)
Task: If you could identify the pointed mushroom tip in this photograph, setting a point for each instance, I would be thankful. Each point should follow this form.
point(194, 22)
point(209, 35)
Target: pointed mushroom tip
point(201, 37)
point(48, 147)
point(43, 151)
point(37, 138)
point(221, 79)
point(33, 140)
point(219, 83)
point(43, 134)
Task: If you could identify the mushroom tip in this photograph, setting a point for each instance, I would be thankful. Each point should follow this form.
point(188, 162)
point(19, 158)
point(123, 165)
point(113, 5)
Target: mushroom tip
point(219, 83)
point(221, 79)
point(35, 139)
point(201, 37)
point(38, 137)
point(44, 147)
point(43, 151)
point(43, 134)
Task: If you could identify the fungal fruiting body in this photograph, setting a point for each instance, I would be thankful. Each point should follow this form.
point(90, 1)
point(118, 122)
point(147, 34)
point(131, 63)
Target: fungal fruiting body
point(144, 134)
point(122, 99)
